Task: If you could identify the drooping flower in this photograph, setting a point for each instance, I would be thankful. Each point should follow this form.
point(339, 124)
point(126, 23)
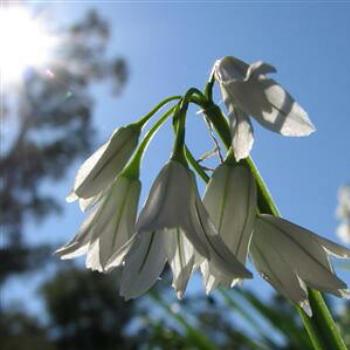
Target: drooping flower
point(107, 231)
point(292, 258)
point(146, 259)
point(343, 213)
point(101, 168)
point(172, 205)
point(247, 91)
point(230, 200)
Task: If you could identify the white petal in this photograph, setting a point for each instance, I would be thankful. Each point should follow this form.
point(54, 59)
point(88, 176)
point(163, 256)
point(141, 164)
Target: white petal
point(242, 134)
point(259, 68)
point(275, 108)
point(230, 69)
point(230, 199)
point(220, 255)
point(117, 259)
point(302, 250)
point(116, 222)
point(181, 257)
point(108, 227)
point(72, 251)
point(275, 269)
point(93, 260)
point(78, 245)
point(169, 202)
point(86, 204)
point(333, 248)
point(101, 168)
point(143, 265)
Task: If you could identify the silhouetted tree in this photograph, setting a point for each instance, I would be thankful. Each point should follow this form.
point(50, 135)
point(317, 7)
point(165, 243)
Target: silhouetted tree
point(86, 312)
point(50, 118)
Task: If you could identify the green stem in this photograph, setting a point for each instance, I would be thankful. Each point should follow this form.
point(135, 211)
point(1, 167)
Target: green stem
point(179, 124)
point(143, 120)
point(321, 327)
point(132, 169)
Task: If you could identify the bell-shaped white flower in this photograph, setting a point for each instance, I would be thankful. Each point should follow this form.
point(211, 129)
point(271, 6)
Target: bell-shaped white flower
point(230, 200)
point(246, 92)
point(101, 168)
point(174, 202)
point(106, 232)
point(292, 258)
point(147, 257)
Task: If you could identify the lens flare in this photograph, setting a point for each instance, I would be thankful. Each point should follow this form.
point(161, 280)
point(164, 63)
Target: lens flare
point(24, 43)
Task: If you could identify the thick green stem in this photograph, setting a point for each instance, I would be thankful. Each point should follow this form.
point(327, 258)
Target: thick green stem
point(321, 327)
point(179, 124)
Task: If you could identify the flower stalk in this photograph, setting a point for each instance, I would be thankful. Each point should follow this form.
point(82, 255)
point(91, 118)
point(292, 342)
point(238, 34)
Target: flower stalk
point(143, 120)
point(132, 169)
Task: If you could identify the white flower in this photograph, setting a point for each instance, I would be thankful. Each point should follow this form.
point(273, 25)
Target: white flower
point(147, 257)
point(106, 233)
point(248, 92)
point(292, 258)
point(230, 199)
point(172, 205)
point(102, 167)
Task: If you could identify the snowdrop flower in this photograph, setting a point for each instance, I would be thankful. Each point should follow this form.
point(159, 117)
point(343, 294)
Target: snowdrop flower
point(292, 258)
point(107, 231)
point(246, 92)
point(147, 257)
point(102, 167)
point(174, 204)
point(230, 199)
point(343, 213)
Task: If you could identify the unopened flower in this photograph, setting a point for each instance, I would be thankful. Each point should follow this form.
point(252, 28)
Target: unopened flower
point(174, 204)
point(230, 199)
point(246, 92)
point(108, 228)
point(149, 253)
point(102, 167)
point(292, 258)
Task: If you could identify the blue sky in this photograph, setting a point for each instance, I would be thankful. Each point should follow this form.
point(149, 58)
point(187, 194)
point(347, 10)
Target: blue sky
point(171, 46)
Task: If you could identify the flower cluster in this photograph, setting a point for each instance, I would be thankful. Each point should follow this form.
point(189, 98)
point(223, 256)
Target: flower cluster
point(343, 213)
point(216, 234)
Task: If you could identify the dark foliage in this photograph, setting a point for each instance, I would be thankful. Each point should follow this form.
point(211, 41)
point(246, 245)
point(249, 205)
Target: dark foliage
point(51, 126)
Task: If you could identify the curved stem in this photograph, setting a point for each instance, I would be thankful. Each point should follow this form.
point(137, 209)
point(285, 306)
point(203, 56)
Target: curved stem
point(132, 169)
point(180, 121)
point(143, 120)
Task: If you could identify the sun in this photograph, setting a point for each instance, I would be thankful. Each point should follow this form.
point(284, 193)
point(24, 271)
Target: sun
point(24, 43)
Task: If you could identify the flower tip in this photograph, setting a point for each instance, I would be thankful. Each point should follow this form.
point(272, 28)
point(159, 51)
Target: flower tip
point(305, 305)
point(236, 282)
point(310, 130)
point(126, 297)
point(345, 293)
point(71, 197)
point(180, 294)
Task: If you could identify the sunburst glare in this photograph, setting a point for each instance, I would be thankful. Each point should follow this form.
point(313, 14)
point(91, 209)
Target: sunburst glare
point(24, 42)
